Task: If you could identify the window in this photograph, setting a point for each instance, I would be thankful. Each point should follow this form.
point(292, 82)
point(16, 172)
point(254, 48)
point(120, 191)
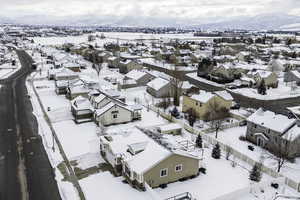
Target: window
point(178, 168)
point(255, 126)
point(115, 116)
point(163, 172)
point(196, 103)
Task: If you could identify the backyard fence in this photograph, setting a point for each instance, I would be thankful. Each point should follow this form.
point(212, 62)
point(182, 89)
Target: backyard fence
point(235, 153)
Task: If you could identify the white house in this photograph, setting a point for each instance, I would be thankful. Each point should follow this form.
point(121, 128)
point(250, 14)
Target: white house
point(114, 113)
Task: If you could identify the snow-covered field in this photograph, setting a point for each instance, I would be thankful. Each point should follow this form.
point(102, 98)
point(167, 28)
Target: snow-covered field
point(112, 37)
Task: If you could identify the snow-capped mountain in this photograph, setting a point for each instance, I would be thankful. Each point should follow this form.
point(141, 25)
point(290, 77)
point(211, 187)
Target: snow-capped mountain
point(260, 22)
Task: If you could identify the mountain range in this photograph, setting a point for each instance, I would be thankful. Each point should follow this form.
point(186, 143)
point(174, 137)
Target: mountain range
point(259, 22)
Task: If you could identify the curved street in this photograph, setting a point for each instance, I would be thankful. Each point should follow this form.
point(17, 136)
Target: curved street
point(25, 170)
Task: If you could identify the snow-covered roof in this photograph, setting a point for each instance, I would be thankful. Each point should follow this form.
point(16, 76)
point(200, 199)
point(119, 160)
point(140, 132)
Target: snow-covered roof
point(135, 74)
point(296, 73)
point(168, 127)
point(203, 97)
point(152, 152)
point(157, 83)
point(64, 72)
point(263, 74)
point(276, 65)
point(102, 110)
point(99, 98)
point(225, 95)
point(79, 89)
point(186, 85)
point(81, 103)
point(270, 120)
point(292, 133)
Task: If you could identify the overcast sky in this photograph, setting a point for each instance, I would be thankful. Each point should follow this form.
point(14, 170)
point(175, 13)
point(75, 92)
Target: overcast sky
point(178, 9)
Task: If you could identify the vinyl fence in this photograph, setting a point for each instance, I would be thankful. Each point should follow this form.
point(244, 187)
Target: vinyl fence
point(235, 153)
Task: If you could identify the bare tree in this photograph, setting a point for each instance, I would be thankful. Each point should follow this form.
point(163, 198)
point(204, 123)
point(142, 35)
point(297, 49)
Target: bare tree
point(177, 83)
point(280, 153)
point(215, 115)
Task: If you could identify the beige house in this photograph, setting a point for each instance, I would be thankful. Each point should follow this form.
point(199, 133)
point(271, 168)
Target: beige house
point(142, 160)
point(202, 104)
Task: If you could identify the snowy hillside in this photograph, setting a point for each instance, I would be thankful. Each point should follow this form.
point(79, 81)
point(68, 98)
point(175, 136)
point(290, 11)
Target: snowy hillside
point(260, 22)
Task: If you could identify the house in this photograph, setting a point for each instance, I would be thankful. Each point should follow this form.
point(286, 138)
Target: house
point(274, 132)
point(113, 62)
point(244, 56)
point(81, 109)
point(142, 160)
point(115, 113)
point(275, 65)
point(77, 88)
point(64, 74)
point(140, 77)
point(159, 88)
point(61, 87)
point(292, 76)
point(172, 128)
point(75, 67)
point(100, 101)
point(201, 105)
point(270, 78)
point(128, 65)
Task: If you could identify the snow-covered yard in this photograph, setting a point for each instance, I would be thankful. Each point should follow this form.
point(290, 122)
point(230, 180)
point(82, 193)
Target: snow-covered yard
point(231, 137)
point(283, 91)
point(221, 178)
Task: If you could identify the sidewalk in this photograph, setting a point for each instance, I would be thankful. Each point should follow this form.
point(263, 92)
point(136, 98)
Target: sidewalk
point(71, 174)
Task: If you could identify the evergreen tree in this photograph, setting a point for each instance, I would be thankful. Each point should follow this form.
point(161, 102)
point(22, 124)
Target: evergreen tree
point(191, 119)
point(216, 152)
point(199, 141)
point(255, 174)
point(262, 89)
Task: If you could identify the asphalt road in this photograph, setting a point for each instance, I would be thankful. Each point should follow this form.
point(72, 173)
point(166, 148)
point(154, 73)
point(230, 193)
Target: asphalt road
point(25, 171)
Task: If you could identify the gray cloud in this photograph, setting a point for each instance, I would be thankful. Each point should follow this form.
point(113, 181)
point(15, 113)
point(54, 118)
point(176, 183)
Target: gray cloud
point(194, 10)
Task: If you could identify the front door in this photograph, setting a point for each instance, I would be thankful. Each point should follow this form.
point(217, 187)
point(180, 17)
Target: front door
point(260, 142)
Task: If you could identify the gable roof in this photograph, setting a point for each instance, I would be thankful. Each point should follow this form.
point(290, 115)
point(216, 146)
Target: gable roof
point(158, 83)
point(135, 74)
point(81, 103)
point(270, 120)
point(105, 108)
point(203, 97)
point(224, 95)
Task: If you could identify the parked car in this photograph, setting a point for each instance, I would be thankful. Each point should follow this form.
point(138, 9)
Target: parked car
point(243, 123)
point(235, 106)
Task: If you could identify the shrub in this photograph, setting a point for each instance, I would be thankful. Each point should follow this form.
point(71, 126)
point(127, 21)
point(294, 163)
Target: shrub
point(162, 186)
point(242, 138)
point(202, 170)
